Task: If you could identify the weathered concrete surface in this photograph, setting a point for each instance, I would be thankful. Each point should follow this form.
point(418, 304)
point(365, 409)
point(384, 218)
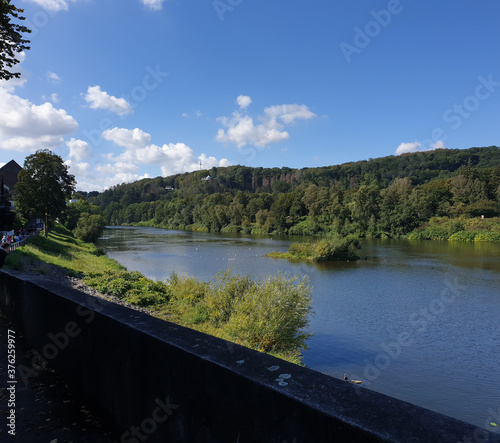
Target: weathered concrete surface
point(45, 409)
point(156, 381)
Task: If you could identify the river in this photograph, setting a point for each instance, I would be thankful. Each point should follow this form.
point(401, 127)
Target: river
point(418, 321)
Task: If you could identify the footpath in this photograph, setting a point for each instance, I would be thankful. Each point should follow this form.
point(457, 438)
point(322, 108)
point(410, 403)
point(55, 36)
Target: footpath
point(44, 408)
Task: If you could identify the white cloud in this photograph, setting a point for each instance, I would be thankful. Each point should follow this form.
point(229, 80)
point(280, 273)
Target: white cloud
point(408, 147)
point(196, 114)
point(127, 138)
point(54, 5)
point(10, 85)
point(53, 78)
point(242, 130)
point(102, 100)
point(54, 98)
point(243, 101)
point(438, 145)
point(123, 178)
point(405, 148)
point(171, 157)
point(78, 149)
point(25, 126)
point(88, 187)
point(288, 113)
point(153, 5)
point(81, 169)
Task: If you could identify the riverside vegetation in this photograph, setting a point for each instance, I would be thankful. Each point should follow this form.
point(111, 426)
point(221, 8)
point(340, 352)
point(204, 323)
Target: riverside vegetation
point(331, 248)
point(439, 194)
point(270, 315)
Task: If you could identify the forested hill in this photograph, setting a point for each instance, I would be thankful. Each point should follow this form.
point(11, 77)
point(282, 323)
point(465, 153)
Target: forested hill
point(419, 167)
point(382, 196)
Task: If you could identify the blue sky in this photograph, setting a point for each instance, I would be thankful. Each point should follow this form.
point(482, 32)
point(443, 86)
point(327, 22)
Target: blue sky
point(123, 90)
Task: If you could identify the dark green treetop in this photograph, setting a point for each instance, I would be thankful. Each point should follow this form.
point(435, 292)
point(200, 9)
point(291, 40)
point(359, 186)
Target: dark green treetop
point(11, 39)
point(43, 187)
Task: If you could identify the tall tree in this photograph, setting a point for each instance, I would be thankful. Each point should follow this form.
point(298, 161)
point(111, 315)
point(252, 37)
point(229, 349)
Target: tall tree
point(43, 187)
point(11, 39)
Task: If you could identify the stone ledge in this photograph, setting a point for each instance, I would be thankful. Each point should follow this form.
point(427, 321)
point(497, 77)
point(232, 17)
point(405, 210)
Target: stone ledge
point(157, 380)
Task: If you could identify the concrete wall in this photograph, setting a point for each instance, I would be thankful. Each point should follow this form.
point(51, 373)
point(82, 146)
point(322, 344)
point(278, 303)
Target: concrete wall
point(156, 381)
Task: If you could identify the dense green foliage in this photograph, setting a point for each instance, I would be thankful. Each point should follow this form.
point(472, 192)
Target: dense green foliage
point(11, 38)
point(269, 316)
point(387, 197)
point(331, 248)
point(43, 187)
point(459, 229)
point(89, 227)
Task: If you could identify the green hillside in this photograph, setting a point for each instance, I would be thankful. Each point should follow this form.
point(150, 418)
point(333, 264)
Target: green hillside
point(390, 196)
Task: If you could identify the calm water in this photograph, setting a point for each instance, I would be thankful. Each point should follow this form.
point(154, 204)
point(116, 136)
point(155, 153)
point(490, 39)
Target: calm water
point(417, 321)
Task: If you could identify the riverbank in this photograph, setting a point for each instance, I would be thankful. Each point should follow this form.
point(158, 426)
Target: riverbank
point(478, 229)
point(270, 315)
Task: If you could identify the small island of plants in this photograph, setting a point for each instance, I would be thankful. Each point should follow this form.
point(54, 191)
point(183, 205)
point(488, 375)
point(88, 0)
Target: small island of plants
point(331, 248)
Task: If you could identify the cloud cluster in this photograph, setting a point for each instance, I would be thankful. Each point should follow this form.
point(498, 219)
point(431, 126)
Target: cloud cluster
point(63, 5)
point(53, 78)
point(102, 100)
point(25, 126)
point(153, 5)
point(54, 5)
point(138, 150)
point(242, 130)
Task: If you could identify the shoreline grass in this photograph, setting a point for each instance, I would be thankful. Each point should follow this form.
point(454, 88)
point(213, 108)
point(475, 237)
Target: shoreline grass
point(269, 316)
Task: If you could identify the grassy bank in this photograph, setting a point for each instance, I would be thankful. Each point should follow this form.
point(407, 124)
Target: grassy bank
point(269, 315)
point(459, 229)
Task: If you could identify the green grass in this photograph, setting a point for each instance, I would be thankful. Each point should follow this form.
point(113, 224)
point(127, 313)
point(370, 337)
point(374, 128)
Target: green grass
point(269, 316)
point(62, 249)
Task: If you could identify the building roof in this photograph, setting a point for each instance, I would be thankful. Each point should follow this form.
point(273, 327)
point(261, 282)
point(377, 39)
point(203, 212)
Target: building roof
point(9, 173)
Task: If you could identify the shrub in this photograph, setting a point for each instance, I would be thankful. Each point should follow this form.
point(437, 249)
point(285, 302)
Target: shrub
point(272, 315)
point(90, 227)
point(223, 293)
point(488, 237)
point(335, 248)
point(463, 236)
point(132, 287)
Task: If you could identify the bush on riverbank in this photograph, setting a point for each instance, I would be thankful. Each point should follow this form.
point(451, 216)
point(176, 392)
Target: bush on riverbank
point(269, 315)
point(332, 248)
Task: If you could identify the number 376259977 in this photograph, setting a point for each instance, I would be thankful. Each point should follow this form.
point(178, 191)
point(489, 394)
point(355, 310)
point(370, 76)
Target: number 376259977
point(11, 354)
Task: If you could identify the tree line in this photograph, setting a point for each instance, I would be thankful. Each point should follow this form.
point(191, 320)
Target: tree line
point(388, 196)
